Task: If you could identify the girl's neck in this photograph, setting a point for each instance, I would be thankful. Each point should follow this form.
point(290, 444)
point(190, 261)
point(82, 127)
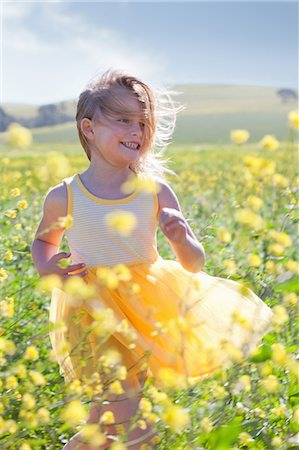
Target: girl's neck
point(102, 177)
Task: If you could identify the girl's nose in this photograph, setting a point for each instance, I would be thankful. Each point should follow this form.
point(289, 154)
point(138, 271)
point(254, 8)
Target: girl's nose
point(136, 129)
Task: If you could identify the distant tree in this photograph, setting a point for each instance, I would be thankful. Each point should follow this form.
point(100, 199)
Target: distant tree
point(5, 120)
point(287, 94)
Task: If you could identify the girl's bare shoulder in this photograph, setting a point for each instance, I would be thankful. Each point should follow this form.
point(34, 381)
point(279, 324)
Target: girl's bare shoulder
point(56, 199)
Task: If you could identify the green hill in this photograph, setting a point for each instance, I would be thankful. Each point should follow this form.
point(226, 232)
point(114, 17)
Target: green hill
point(211, 111)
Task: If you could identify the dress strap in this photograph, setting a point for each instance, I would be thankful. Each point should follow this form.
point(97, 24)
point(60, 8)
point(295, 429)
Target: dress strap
point(68, 183)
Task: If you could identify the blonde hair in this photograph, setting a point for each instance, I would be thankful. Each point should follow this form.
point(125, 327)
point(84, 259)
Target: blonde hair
point(159, 115)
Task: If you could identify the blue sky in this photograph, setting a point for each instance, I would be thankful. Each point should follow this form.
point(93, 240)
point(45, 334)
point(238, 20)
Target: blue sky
point(50, 50)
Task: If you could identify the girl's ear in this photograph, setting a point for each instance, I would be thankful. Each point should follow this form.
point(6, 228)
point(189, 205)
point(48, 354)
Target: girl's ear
point(87, 128)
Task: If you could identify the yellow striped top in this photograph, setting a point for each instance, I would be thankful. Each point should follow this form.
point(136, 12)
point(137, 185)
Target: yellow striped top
point(94, 243)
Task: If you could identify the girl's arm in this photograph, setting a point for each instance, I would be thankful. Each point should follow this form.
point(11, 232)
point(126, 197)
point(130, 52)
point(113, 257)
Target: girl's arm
point(48, 235)
point(173, 224)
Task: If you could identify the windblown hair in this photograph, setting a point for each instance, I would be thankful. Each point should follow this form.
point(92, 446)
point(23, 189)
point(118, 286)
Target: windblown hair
point(101, 99)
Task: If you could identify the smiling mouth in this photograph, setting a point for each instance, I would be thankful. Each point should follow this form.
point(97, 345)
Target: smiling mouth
point(131, 146)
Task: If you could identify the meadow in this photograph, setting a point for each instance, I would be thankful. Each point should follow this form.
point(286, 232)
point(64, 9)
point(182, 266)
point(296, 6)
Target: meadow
point(240, 201)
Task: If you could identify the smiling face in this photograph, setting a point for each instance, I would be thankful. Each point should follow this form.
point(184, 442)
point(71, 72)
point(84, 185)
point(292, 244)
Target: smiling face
point(120, 132)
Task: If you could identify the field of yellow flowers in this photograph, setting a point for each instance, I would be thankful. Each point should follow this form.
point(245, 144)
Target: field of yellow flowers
point(241, 202)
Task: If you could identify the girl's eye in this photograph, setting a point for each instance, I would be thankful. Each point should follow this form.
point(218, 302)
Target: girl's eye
point(123, 120)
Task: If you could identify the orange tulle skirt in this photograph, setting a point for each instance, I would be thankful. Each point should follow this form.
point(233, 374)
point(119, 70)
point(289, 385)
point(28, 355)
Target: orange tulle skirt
point(190, 323)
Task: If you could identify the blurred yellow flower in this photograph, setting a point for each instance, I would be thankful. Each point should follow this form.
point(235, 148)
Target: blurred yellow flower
point(11, 213)
point(15, 192)
point(123, 222)
point(19, 136)
point(176, 417)
point(280, 315)
point(43, 415)
point(22, 204)
point(290, 299)
point(293, 118)
point(145, 406)
point(279, 354)
point(11, 382)
point(277, 442)
point(245, 438)
point(37, 378)
point(118, 446)
point(104, 321)
point(3, 274)
point(292, 265)
point(254, 260)
point(249, 218)
point(116, 387)
point(280, 237)
point(7, 307)
point(280, 180)
point(7, 346)
point(28, 401)
point(74, 413)
point(49, 282)
point(107, 418)
point(31, 353)
point(8, 255)
point(270, 384)
point(92, 435)
point(140, 184)
point(239, 136)
point(169, 378)
point(254, 202)
point(276, 249)
point(205, 425)
point(269, 142)
point(230, 266)
point(142, 424)
point(65, 221)
point(224, 235)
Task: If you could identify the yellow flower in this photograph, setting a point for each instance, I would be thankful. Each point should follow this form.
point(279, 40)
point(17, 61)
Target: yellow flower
point(280, 315)
point(8, 255)
point(116, 388)
point(254, 202)
point(276, 249)
point(28, 401)
point(271, 267)
point(279, 354)
point(245, 438)
point(205, 425)
point(31, 353)
point(276, 442)
point(292, 265)
point(176, 417)
point(123, 222)
point(280, 180)
point(65, 221)
point(254, 260)
point(93, 436)
point(104, 321)
point(25, 446)
point(293, 118)
point(290, 299)
point(43, 415)
point(270, 384)
point(74, 413)
point(249, 218)
point(169, 378)
point(11, 213)
point(280, 237)
point(19, 136)
point(22, 204)
point(223, 235)
point(7, 346)
point(37, 378)
point(279, 411)
point(239, 136)
point(142, 424)
point(11, 382)
point(230, 266)
point(141, 185)
point(107, 418)
point(49, 282)
point(145, 406)
point(269, 142)
point(118, 446)
point(15, 192)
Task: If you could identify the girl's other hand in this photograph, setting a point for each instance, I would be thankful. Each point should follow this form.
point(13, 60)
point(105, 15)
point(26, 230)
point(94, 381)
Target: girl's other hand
point(53, 267)
point(173, 225)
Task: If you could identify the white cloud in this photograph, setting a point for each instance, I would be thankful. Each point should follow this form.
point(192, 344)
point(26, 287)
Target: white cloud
point(67, 60)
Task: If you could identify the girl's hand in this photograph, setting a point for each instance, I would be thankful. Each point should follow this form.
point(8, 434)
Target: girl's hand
point(173, 225)
point(52, 267)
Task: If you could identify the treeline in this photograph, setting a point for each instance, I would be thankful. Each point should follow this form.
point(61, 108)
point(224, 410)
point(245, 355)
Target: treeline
point(62, 112)
point(47, 115)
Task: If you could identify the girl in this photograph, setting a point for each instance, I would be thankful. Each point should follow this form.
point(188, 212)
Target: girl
point(183, 320)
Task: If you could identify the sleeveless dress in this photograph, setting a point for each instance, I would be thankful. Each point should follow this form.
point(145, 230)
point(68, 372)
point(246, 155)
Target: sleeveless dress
point(162, 317)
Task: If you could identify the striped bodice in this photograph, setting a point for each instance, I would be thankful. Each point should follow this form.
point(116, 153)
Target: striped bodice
point(93, 242)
